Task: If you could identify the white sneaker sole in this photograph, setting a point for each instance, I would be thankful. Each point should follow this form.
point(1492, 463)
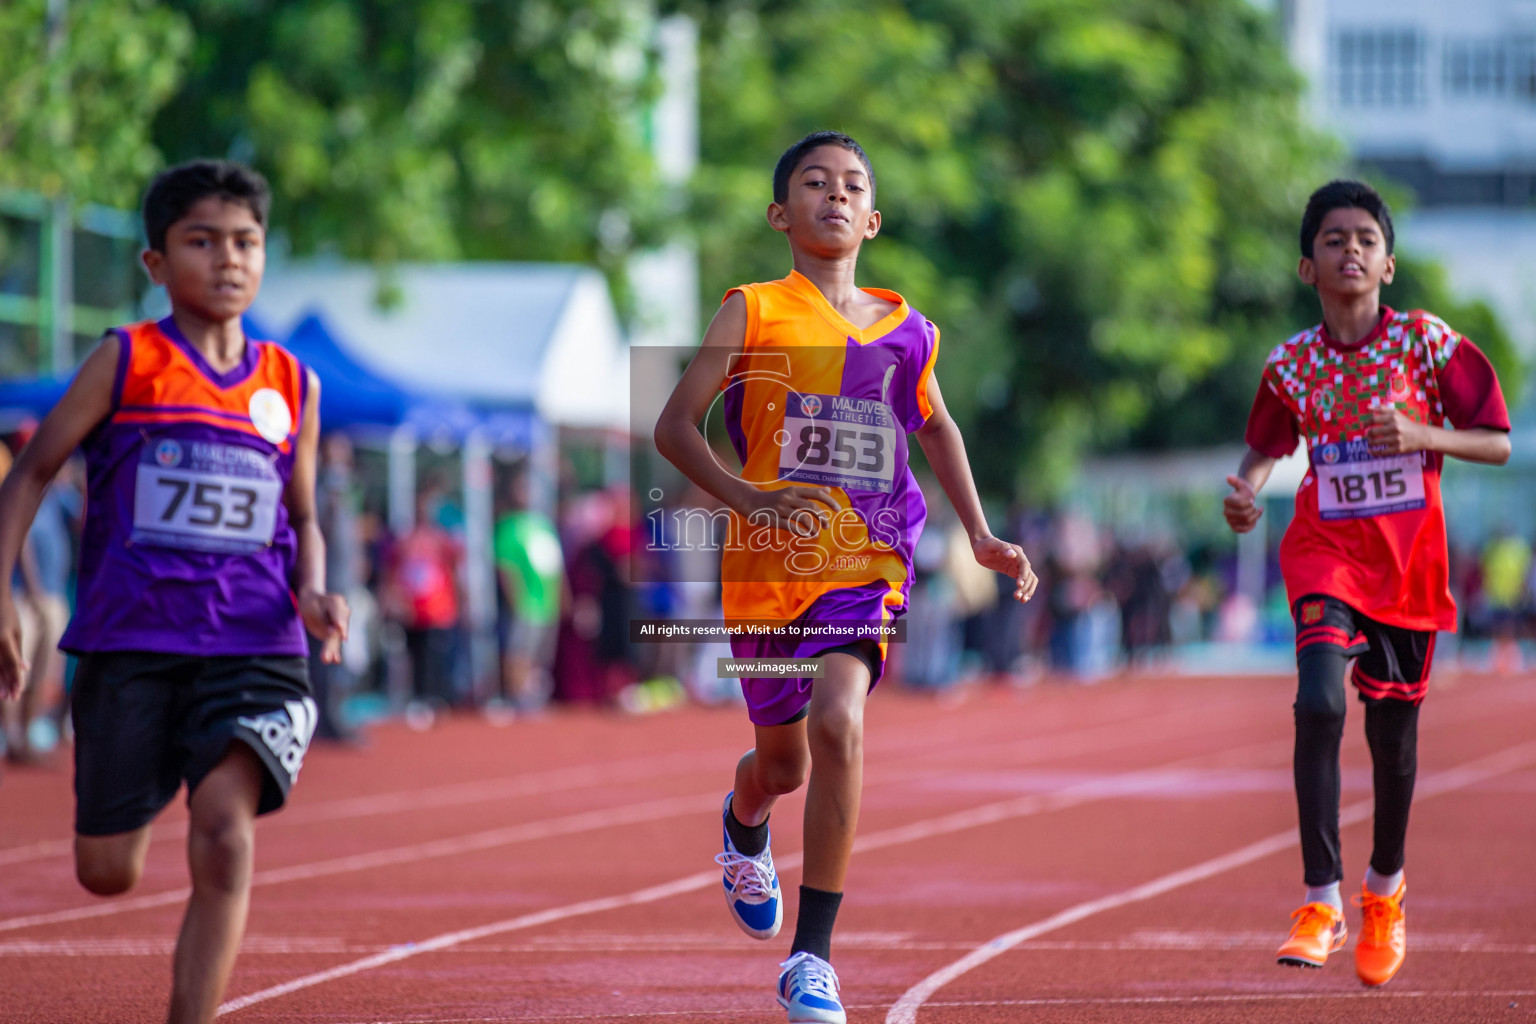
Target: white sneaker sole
point(807, 1015)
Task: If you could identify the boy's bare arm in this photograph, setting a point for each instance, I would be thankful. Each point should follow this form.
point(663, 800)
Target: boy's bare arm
point(1241, 506)
point(681, 443)
point(325, 615)
point(941, 442)
point(87, 402)
point(1392, 433)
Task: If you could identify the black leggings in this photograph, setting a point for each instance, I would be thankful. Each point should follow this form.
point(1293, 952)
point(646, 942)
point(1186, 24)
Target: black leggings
point(1391, 729)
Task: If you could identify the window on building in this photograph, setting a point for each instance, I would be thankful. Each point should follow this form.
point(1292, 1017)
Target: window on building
point(1378, 67)
point(1491, 68)
point(1520, 58)
point(1475, 68)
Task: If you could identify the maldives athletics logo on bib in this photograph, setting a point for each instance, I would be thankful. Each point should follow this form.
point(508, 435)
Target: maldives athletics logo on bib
point(271, 416)
point(810, 405)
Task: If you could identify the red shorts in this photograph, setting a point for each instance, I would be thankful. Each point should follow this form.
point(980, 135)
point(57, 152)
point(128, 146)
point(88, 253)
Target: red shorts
point(1390, 662)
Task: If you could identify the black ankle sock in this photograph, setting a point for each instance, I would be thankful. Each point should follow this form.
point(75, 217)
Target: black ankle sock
point(749, 840)
point(813, 928)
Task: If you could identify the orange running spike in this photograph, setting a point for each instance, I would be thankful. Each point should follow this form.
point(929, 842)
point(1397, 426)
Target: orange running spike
point(1318, 931)
point(1383, 936)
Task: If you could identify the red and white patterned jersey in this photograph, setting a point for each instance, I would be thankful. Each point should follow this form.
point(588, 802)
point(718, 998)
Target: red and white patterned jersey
point(1370, 530)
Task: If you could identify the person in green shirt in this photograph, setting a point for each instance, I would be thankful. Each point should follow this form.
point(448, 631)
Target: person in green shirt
point(531, 567)
point(1506, 569)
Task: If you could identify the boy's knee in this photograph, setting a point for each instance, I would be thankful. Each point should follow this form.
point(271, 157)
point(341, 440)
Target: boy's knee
point(106, 878)
point(837, 734)
point(222, 851)
point(105, 867)
point(786, 776)
point(1320, 685)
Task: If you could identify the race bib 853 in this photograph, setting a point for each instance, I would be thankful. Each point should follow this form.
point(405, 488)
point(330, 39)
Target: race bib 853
point(205, 497)
point(839, 442)
point(1351, 483)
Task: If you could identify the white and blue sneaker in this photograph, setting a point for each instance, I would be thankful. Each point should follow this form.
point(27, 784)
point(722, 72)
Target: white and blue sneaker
point(751, 886)
point(808, 990)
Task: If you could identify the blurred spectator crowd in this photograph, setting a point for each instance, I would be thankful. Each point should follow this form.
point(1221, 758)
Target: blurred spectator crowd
point(569, 586)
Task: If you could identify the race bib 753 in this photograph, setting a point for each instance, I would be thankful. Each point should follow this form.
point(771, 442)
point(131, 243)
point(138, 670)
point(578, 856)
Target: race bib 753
point(205, 496)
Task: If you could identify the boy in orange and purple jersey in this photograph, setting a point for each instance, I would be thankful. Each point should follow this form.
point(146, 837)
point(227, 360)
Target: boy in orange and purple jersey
point(201, 566)
point(822, 381)
point(1365, 560)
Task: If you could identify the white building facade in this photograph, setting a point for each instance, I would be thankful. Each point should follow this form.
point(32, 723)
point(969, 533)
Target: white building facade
point(1440, 96)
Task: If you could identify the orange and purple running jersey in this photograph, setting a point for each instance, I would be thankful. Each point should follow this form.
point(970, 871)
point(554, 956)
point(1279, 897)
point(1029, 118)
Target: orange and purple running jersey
point(187, 547)
point(812, 399)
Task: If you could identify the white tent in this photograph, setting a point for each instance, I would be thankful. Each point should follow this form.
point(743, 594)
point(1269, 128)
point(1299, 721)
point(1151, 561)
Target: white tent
point(514, 334)
point(497, 335)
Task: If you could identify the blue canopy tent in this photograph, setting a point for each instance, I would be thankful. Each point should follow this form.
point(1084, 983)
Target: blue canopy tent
point(29, 398)
point(34, 397)
point(352, 395)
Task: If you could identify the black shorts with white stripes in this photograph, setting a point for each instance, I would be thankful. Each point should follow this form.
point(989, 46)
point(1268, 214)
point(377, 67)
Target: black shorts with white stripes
point(146, 722)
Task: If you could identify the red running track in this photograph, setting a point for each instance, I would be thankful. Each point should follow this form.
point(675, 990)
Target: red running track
point(1122, 852)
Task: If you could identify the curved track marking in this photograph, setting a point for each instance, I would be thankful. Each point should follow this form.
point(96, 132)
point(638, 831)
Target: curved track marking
point(1243, 997)
point(1087, 740)
point(906, 1008)
point(557, 780)
point(1111, 786)
point(981, 1004)
point(587, 821)
point(1082, 741)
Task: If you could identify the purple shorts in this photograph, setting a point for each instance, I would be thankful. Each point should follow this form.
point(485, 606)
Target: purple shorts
point(777, 700)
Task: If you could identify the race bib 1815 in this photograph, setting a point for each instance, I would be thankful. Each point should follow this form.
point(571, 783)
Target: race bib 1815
point(1351, 483)
point(839, 442)
point(205, 497)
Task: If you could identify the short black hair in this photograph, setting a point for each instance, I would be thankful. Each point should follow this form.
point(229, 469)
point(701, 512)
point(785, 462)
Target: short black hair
point(1343, 194)
point(177, 189)
point(794, 154)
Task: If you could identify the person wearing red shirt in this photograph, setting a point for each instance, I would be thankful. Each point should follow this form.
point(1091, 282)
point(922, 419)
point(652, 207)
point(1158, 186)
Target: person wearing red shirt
point(1372, 392)
point(423, 594)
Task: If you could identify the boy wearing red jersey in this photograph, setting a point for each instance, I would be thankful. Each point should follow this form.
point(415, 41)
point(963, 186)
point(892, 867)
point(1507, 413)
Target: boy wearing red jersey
point(1371, 391)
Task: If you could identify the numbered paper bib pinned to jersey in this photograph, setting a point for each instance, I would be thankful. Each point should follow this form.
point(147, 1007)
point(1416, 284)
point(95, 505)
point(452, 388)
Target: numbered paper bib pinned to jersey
point(204, 496)
point(836, 441)
point(1352, 483)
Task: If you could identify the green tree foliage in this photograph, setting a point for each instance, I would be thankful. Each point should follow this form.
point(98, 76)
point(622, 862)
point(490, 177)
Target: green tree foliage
point(75, 108)
point(1096, 199)
point(431, 129)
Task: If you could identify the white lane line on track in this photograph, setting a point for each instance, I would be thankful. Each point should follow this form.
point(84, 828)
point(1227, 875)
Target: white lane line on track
point(450, 795)
point(1078, 742)
point(1082, 741)
point(906, 1008)
point(1041, 747)
point(304, 946)
point(587, 821)
point(1230, 997)
point(1244, 997)
point(1124, 784)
